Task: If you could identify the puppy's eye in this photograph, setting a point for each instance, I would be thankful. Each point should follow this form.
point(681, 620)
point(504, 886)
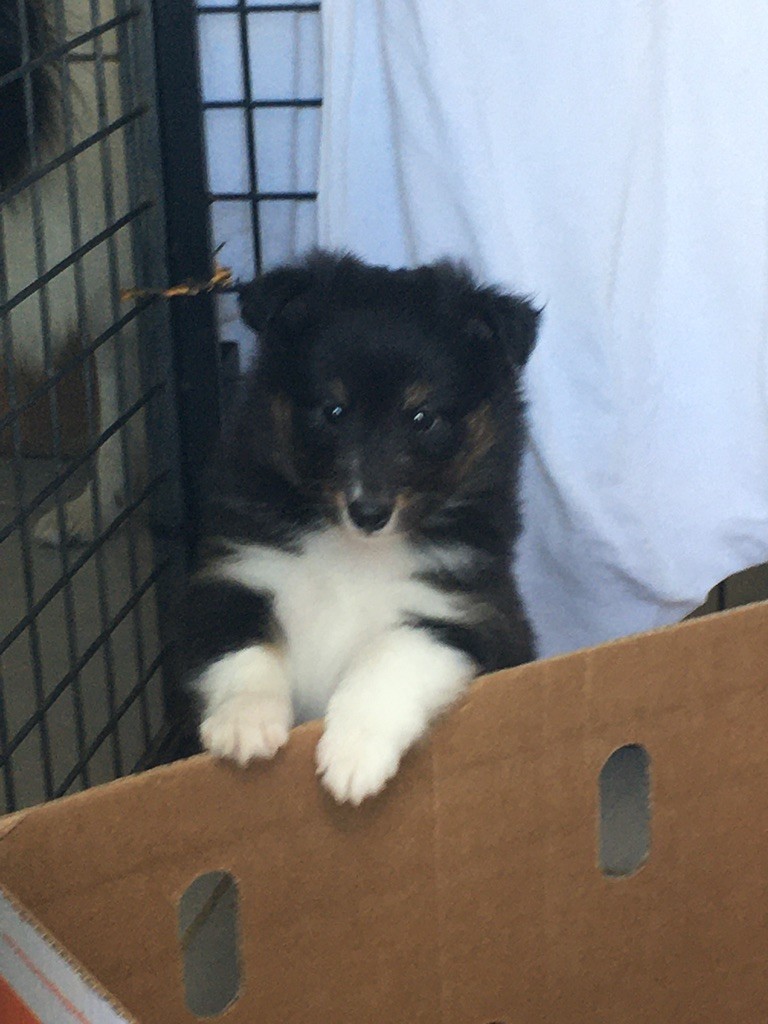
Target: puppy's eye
point(334, 413)
point(423, 420)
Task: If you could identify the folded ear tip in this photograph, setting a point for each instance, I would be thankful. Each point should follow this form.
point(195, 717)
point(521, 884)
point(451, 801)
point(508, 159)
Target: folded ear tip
point(512, 319)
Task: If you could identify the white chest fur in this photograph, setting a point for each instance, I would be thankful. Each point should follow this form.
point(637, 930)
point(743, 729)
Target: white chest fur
point(333, 597)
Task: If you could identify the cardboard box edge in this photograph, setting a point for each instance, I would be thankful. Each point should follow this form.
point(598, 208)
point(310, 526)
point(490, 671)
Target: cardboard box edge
point(61, 950)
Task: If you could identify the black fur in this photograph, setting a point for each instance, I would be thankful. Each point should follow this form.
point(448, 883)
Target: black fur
point(334, 330)
point(14, 126)
point(243, 617)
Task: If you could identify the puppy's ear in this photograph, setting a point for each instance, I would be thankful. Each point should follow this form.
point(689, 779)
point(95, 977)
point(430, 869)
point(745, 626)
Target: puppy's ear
point(489, 313)
point(268, 295)
point(282, 291)
point(510, 318)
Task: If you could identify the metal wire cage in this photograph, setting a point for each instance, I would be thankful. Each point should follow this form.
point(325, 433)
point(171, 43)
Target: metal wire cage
point(107, 409)
point(261, 120)
point(92, 508)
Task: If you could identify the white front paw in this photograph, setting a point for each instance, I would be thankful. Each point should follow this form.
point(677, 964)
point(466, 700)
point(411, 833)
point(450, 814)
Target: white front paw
point(247, 726)
point(355, 763)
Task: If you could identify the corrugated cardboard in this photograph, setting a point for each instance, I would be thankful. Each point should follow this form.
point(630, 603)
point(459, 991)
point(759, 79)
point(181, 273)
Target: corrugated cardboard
point(39, 981)
point(471, 891)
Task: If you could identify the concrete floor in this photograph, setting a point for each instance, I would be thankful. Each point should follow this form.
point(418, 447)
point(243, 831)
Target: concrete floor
point(89, 605)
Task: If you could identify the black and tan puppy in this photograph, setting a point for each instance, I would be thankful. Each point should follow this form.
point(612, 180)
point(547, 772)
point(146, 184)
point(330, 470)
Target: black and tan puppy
point(360, 530)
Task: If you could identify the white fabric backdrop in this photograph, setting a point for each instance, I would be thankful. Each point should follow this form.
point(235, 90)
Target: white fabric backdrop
point(610, 159)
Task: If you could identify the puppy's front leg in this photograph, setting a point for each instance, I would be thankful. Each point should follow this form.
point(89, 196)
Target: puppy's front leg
point(240, 674)
point(383, 705)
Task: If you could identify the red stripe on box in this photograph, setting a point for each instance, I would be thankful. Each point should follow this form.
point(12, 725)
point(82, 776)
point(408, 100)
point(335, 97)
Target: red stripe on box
point(44, 980)
point(12, 1010)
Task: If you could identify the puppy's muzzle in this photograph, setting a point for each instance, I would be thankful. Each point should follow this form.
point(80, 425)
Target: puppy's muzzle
point(370, 516)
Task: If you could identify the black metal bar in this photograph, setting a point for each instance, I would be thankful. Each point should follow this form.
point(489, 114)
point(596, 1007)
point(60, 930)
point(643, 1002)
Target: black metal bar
point(45, 317)
point(92, 549)
point(157, 360)
point(73, 364)
point(262, 196)
point(260, 8)
point(27, 508)
point(73, 191)
point(162, 747)
point(8, 780)
point(250, 133)
point(261, 104)
point(188, 239)
point(70, 617)
point(73, 257)
point(107, 175)
point(69, 153)
point(28, 65)
point(19, 474)
point(136, 690)
point(88, 58)
point(47, 702)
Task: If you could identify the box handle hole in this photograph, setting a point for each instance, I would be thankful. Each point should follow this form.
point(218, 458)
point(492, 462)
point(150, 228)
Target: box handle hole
point(209, 937)
point(625, 811)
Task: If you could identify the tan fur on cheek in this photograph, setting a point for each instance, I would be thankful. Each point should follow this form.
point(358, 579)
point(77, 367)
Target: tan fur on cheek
point(416, 396)
point(339, 392)
point(481, 436)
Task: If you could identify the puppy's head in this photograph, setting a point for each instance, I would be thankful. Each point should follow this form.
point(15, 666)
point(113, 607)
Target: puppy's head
point(391, 394)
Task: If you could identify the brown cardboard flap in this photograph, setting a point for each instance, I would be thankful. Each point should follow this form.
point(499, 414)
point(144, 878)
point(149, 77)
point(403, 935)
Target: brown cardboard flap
point(470, 892)
point(9, 823)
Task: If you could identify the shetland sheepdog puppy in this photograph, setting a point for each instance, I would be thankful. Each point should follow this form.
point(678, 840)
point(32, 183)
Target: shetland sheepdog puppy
point(359, 534)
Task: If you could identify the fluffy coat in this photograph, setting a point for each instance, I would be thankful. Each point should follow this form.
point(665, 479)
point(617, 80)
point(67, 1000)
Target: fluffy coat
point(362, 517)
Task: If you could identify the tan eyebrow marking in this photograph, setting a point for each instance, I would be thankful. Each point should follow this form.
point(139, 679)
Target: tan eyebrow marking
point(417, 394)
point(339, 392)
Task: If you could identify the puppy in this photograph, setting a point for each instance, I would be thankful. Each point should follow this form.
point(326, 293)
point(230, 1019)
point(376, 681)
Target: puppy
point(361, 524)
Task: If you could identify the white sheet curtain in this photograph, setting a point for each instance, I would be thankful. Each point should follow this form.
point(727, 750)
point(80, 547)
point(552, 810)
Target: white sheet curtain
point(610, 159)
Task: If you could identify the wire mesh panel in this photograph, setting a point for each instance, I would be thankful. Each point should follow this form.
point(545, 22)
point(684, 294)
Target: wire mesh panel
point(90, 503)
point(261, 83)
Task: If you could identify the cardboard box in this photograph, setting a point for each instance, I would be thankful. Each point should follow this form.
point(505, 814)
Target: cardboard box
point(472, 890)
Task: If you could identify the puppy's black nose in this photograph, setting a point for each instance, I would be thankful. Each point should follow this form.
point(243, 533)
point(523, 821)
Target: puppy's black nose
point(369, 516)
